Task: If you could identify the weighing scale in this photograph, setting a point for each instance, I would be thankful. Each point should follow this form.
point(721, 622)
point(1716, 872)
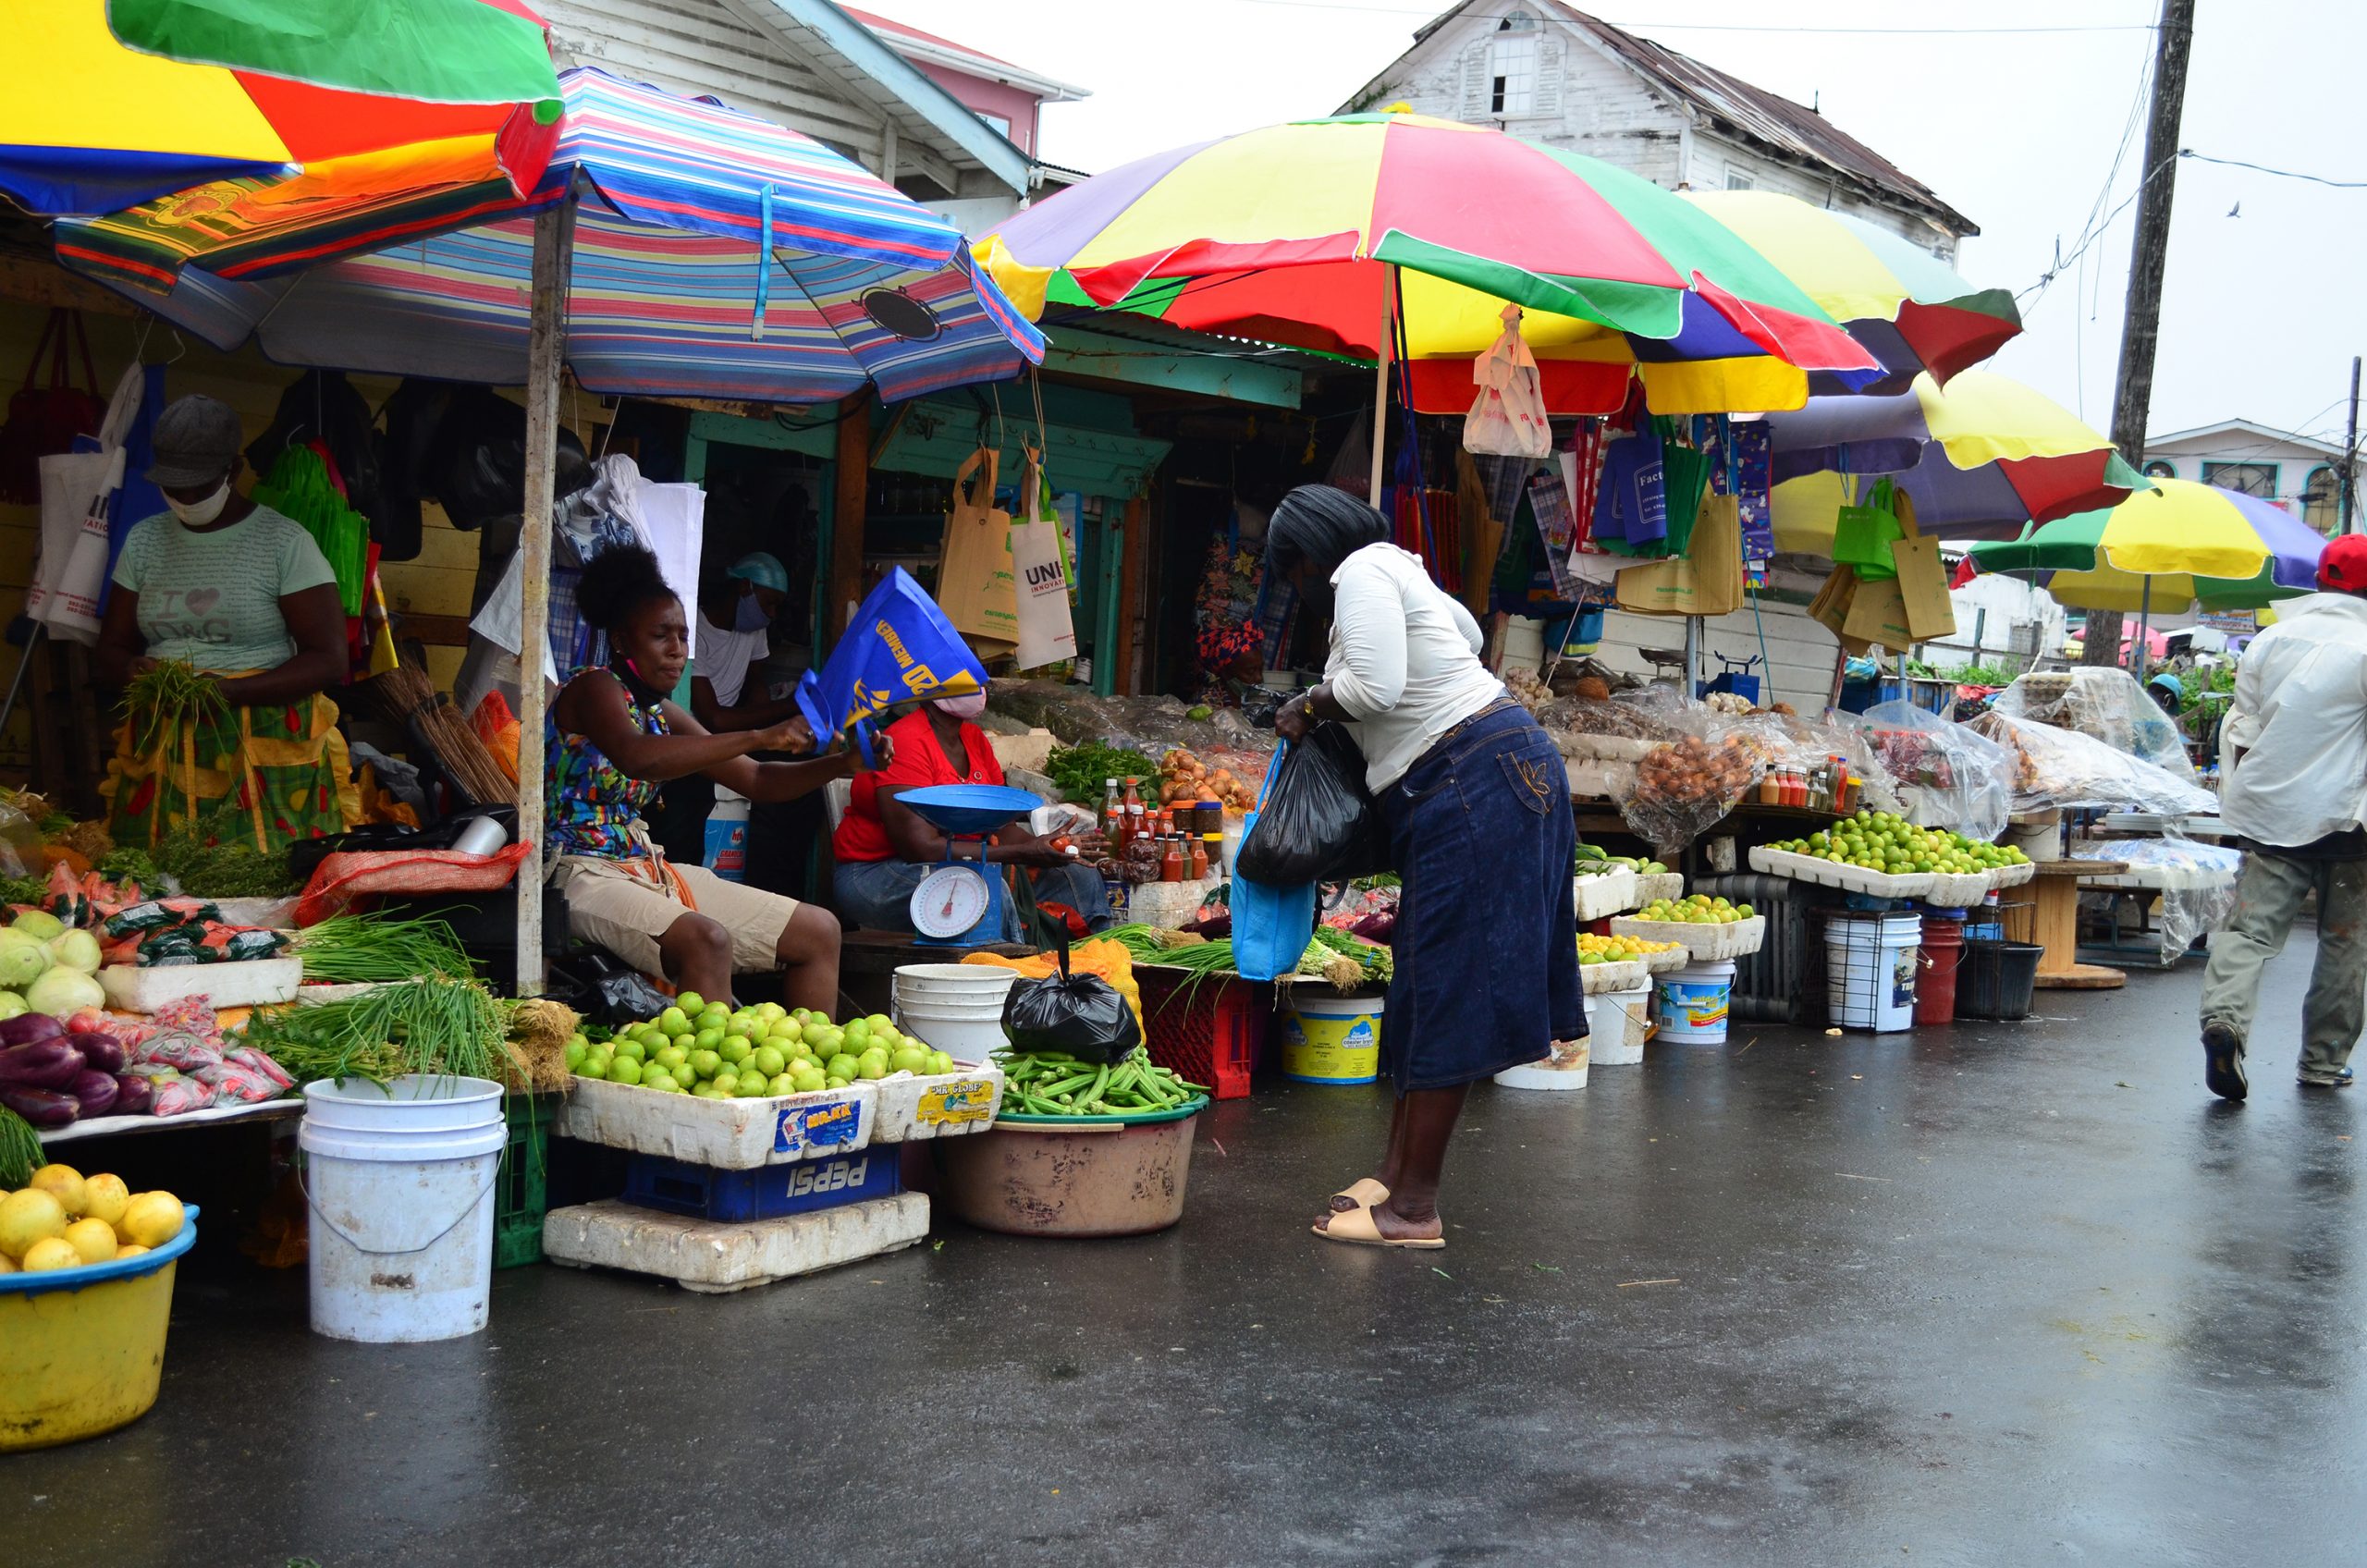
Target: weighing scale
point(960, 903)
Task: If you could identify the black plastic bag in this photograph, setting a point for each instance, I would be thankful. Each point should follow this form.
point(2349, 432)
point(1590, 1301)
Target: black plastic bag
point(1318, 822)
point(1080, 1015)
point(604, 990)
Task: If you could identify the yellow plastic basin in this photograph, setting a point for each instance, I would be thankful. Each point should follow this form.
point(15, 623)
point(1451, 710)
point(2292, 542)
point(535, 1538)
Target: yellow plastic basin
point(83, 1350)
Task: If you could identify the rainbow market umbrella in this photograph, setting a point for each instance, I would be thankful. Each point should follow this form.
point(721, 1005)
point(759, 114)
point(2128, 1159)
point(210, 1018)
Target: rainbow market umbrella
point(1334, 235)
point(715, 255)
point(90, 125)
point(1912, 309)
point(1984, 458)
point(469, 52)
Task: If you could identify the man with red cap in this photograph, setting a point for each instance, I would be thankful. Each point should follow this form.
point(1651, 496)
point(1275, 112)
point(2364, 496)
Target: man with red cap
point(2296, 792)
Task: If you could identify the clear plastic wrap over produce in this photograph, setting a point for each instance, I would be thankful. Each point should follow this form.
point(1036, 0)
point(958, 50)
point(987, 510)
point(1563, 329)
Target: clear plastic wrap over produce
point(1948, 776)
point(1151, 725)
point(2060, 769)
point(1687, 786)
point(2196, 883)
point(2105, 704)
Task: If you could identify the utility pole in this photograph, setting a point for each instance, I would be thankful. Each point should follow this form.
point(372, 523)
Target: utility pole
point(2141, 318)
point(2351, 449)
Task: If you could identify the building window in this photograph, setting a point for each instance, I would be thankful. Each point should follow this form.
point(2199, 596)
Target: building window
point(2322, 500)
point(998, 124)
point(2245, 479)
point(1737, 181)
point(2161, 469)
point(1511, 66)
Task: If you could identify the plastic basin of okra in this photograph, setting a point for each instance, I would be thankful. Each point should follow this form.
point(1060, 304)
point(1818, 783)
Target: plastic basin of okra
point(83, 1350)
point(1118, 1175)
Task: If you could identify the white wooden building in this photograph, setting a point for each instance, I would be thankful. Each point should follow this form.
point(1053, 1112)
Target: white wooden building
point(1553, 74)
point(2300, 474)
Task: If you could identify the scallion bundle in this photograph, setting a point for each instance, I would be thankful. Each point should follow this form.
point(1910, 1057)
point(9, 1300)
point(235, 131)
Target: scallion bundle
point(170, 693)
point(366, 949)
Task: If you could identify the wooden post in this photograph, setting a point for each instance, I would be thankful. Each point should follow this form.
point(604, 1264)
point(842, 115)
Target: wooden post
point(1380, 379)
point(850, 492)
point(2140, 320)
point(1130, 594)
point(545, 362)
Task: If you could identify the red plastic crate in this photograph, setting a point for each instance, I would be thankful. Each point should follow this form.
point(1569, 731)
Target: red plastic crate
point(1209, 1032)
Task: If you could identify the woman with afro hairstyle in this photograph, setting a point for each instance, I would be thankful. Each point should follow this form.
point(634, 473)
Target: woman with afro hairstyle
point(613, 738)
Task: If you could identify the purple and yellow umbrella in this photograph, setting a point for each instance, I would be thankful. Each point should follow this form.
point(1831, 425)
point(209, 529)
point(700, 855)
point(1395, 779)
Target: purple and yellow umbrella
point(2178, 546)
point(1297, 234)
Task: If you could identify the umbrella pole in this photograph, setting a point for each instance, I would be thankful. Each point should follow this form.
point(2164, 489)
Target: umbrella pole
point(1692, 658)
point(1840, 670)
point(546, 361)
point(2144, 627)
point(1380, 379)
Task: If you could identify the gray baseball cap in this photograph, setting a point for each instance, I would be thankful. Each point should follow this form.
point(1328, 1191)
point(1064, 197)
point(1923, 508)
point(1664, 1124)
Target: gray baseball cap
point(196, 438)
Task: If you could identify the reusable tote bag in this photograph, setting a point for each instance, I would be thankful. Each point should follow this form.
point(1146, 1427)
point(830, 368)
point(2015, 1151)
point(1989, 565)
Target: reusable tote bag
point(1508, 416)
point(974, 583)
point(1040, 576)
point(1272, 925)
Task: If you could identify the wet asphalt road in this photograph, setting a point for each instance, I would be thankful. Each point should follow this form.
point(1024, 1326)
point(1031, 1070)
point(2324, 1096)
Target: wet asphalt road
point(2005, 1293)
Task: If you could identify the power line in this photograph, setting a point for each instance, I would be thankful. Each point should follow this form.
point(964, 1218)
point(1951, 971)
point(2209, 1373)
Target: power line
point(2281, 174)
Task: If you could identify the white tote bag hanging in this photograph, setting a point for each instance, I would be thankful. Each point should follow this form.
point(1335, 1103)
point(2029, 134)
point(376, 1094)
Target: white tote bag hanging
point(77, 491)
point(1507, 418)
point(1039, 572)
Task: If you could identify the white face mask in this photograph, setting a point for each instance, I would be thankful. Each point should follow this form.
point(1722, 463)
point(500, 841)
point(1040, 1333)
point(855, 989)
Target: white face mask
point(197, 514)
point(970, 705)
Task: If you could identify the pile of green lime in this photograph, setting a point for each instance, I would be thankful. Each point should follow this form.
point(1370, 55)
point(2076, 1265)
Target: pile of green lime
point(704, 1048)
point(1884, 841)
point(1698, 910)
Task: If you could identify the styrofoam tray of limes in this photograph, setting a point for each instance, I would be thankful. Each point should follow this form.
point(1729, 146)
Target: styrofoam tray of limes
point(1707, 942)
point(730, 1134)
point(1604, 894)
point(1823, 872)
point(1658, 884)
point(1957, 890)
point(1597, 978)
point(914, 1105)
point(2011, 876)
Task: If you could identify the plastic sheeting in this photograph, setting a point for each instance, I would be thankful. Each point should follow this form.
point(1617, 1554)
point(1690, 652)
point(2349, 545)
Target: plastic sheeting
point(2061, 769)
point(2105, 703)
point(2195, 884)
point(1948, 776)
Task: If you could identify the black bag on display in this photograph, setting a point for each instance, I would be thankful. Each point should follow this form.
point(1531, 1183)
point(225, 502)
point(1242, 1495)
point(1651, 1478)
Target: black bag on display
point(604, 989)
point(1080, 1015)
point(1318, 822)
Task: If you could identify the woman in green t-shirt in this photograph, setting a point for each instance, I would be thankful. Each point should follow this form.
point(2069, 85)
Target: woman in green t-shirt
point(242, 594)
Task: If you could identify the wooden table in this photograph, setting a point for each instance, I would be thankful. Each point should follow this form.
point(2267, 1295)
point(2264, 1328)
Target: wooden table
point(2057, 923)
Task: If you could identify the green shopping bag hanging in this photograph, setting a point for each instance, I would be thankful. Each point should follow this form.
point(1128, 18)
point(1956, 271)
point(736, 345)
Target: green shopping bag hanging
point(1864, 531)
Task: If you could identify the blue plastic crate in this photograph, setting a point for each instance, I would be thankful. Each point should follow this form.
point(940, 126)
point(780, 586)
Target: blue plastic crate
point(769, 1192)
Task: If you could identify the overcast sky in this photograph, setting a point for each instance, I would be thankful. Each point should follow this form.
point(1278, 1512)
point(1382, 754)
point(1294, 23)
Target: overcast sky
point(2015, 129)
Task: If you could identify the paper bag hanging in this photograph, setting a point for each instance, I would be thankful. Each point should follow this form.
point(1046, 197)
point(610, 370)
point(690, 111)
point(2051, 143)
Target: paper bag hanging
point(1923, 589)
point(1039, 569)
point(1878, 614)
point(975, 582)
point(1508, 416)
point(1831, 606)
point(1706, 580)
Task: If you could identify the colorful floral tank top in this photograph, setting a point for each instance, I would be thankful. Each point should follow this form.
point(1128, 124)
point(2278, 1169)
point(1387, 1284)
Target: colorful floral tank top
point(589, 804)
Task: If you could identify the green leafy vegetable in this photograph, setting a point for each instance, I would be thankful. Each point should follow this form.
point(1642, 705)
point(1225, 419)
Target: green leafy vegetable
point(1083, 772)
point(366, 948)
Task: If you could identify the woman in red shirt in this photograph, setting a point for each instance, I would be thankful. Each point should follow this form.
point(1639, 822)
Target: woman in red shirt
point(884, 849)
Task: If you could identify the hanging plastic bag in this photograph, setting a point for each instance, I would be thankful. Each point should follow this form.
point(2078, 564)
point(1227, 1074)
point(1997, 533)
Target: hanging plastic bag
point(1317, 821)
point(1508, 416)
point(1083, 1015)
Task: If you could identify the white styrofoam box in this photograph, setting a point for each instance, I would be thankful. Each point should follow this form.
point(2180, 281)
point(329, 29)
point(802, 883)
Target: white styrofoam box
point(1957, 890)
point(1564, 1069)
point(1658, 884)
point(1598, 978)
point(278, 914)
point(942, 1105)
point(256, 983)
point(2011, 876)
point(1168, 904)
point(1706, 943)
point(711, 1256)
point(1670, 961)
point(1604, 894)
point(734, 1134)
point(1831, 874)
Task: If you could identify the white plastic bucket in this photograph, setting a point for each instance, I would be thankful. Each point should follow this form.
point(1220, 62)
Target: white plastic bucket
point(1692, 1003)
point(400, 1180)
point(1620, 1020)
point(1331, 1039)
point(954, 1008)
point(1564, 1069)
point(1869, 962)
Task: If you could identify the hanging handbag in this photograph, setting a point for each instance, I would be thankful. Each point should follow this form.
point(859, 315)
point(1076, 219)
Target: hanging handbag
point(44, 420)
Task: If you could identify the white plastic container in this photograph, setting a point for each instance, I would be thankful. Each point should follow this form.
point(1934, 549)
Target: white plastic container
point(1565, 1069)
point(1869, 970)
point(1692, 1003)
point(400, 1180)
point(1621, 1022)
point(254, 982)
point(726, 851)
point(953, 1008)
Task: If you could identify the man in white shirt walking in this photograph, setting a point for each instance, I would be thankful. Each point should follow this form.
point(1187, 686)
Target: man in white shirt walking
point(2296, 792)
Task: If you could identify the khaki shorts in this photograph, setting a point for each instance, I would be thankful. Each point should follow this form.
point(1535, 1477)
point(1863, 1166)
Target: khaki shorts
point(614, 905)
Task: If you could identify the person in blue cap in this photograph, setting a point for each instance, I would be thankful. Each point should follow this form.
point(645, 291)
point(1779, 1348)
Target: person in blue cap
point(734, 637)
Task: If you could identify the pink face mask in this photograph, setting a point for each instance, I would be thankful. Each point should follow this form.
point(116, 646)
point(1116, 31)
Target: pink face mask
point(969, 704)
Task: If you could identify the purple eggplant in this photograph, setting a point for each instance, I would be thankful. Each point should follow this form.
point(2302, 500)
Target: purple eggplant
point(1378, 926)
point(135, 1095)
point(48, 1064)
point(43, 1107)
point(29, 1028)
point(101, 1051)
point(97, 1091)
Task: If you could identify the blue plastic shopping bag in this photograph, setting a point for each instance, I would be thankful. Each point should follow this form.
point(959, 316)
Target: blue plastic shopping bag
point(1272, 925)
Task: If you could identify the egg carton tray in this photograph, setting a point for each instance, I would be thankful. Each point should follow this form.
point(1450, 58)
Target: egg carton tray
point(1600, 978)
point(1849, 878)
point(1706, 944)
point(1605, 894)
